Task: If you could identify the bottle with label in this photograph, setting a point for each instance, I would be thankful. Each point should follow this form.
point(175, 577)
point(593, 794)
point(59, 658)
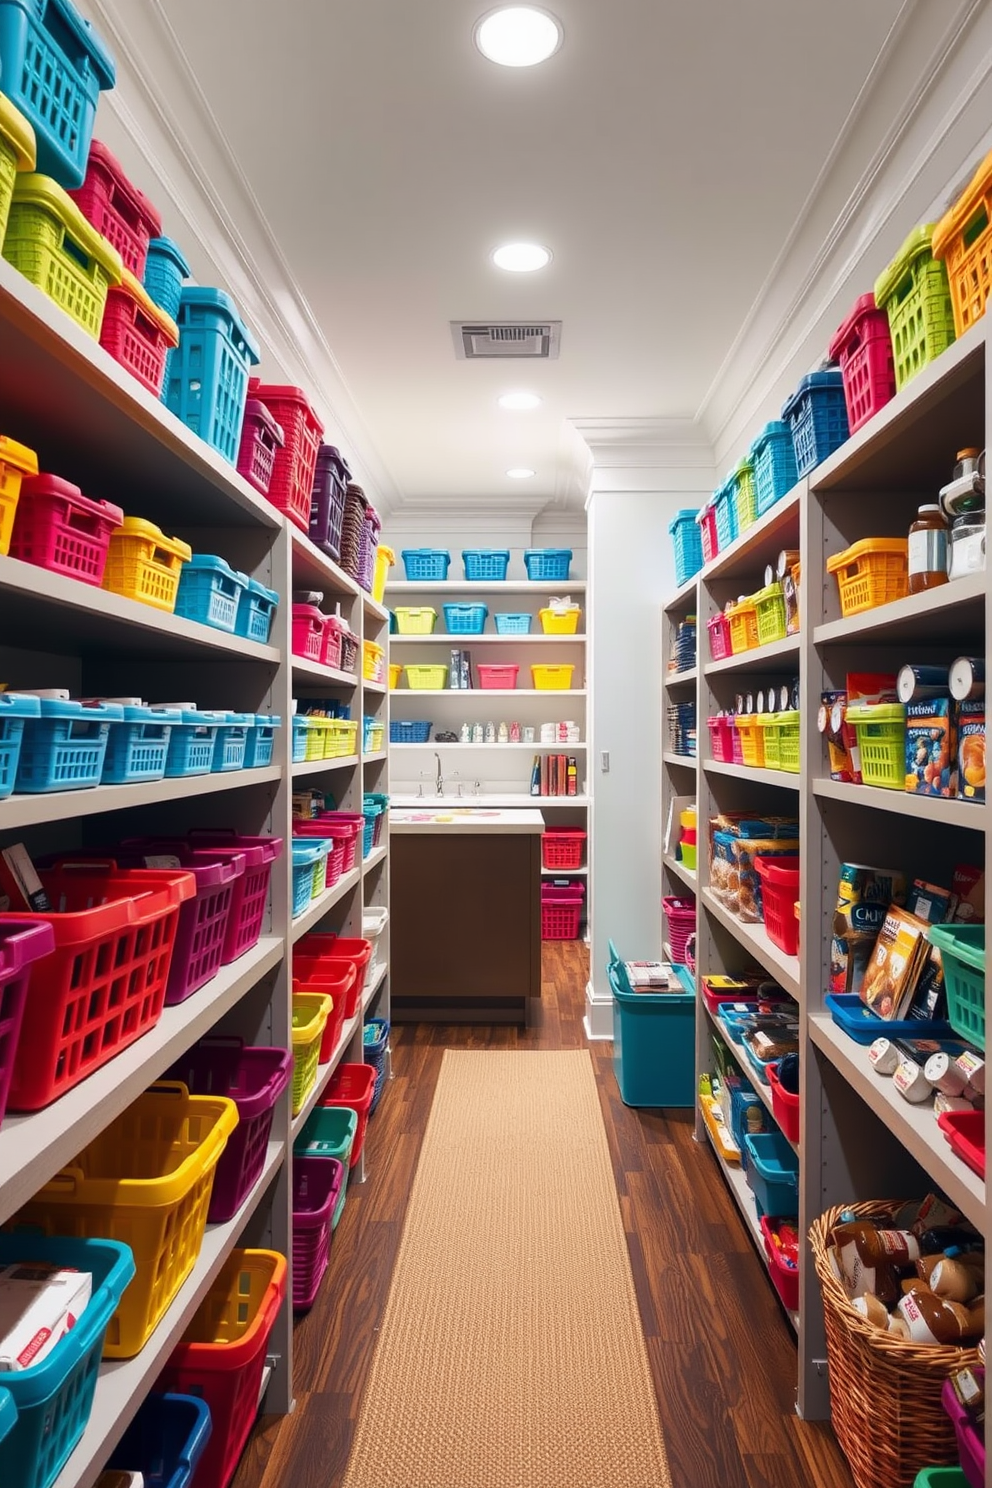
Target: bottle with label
point(870, 1257)
point(932, 1319)
point(928, 549)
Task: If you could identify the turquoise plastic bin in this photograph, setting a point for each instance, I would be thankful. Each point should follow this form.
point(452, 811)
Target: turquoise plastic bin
point(654, 1043)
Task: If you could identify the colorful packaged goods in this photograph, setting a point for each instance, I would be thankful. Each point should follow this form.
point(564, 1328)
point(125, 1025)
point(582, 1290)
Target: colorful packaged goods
point(864, 895)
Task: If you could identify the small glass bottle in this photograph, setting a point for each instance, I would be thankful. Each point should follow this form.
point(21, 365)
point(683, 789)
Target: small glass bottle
point(928, 550)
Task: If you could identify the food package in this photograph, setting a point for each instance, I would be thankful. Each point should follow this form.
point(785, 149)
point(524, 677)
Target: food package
point(971, 749)
point(733, 876)
point(39, 1304)
point(932, 747)
point(864, 895)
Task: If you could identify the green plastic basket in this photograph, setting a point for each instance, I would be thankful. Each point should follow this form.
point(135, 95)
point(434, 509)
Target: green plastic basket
point(769, 607)
point(962, 951)
point(788, 742)
point(769, 723)
point(940, 1477)
point(745, 495)
point(881, 731)
point(915, 295)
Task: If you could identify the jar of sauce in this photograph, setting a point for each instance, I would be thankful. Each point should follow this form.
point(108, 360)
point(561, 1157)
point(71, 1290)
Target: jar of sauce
point(927, 550)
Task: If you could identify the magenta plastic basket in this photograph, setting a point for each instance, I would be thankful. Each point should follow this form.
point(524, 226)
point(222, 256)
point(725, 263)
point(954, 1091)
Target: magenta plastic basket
point(254, 1078)
point(22, 942)
point(862, 347)
point(718, 630)
point(316, 1187)
point(971, 1441)
point(347, 826)
point(722, 739)
point(261, 439)
point(251, 890)
point(681, 917)
point(738, 747)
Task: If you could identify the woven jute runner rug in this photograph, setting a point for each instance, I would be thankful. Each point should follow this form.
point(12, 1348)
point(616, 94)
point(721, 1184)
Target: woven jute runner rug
point(511, 1353)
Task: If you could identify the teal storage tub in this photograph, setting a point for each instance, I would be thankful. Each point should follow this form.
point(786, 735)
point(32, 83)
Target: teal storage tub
point(654, 1043)
point(773, 1173)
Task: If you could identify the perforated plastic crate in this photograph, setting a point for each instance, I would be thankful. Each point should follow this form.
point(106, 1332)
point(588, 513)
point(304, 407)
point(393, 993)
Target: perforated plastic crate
point(251, 891)
point(17, 153)
point(817, 415)
point(330, 485)
point(16, 462)
point(138, 747)
point(963, 240)
point(49, 241)
point(256, 607)
point(914, 293)
point(191, 743)
point(65, 746)
point(513, 623)
point(231, 742)
point(137, 332)
point(291, 486)
point(206, 381)
point(166, 270)
point(488, 564)
point(164, 1441)
point(261, 740)
point(58, 528)
point(210, 591)
point(116, 208)
point(549, 565)
point(774, 457)
point(143, 564)
point(261, 440)
point(462, 619)
point(862, 346)
point(425, 564)
point(14, 709)
point(687, 544)
point(725, 515)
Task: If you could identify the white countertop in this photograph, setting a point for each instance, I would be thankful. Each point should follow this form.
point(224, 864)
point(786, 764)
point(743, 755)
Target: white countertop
point(463, 820)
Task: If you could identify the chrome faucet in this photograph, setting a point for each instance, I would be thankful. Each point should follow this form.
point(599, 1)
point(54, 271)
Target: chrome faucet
point(439, 778)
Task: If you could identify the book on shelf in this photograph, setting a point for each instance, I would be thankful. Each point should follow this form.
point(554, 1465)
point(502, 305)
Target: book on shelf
point(895, 964)
point(554, 775)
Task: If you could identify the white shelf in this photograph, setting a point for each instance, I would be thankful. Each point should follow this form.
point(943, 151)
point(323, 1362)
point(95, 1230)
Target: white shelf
point(935, 615)
point(684, 761)
point(445, 803)
point(915, 1126)
point(482, 693)
point(325, 901)
point(28, 810)
point(783, 778)
point(368, 686)
point(684, 598)
point(312, 671)
point(785, 969)
point(563, 872)
point(681, 679)
point(967, 814)
point(758, 658)
point(122, 1384)
point(376, 856)
point(687, 875)
point(455, 587)
point(466, 642)
point(319, 767)
point(374, 608)
point(34, 1146)
point(500, 748)
point(761, 1090)
point(376, 757)
point(312, 569)
point(369, 994)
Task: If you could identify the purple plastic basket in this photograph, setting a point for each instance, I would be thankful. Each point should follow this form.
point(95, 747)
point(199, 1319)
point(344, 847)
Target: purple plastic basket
point(254, 1078)
point(971, 1441)
point(367, 548)
point(261, 437)
point(21, 943)
point(251, 891)
point(316, 1186)
point(330, 482)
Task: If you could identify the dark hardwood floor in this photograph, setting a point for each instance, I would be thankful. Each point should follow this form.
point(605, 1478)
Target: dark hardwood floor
point(722, 1353)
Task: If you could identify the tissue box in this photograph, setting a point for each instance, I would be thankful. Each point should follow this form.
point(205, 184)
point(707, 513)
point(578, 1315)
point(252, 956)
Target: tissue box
point(38, 1305)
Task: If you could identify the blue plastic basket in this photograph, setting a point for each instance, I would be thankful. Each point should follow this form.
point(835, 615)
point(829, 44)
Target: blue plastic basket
point(231, 742)
point(14, 709)
point(138, 747)
point(774, 458)
point(373, 806)
point(330, 1132)
point(725, 512)
point(54, 66)
point(165, 271)
point(513, 623)
point(54, 1398)
point(301, 727)
point(210, 591)
point(864, 1027)
point(465, 619)
point(165, 1440)
point(653, 1043)
point(261, 741)
point(191, 744)
point(64, 749)
point(404, 731)
point(8, 1413)
point(817, 415)
point(487, 564)
point(772, 1172)
point(206, 376)
point(548, 564)
point(306, 857)
point(427, 564)
point(375, 1036)
point(687, 543)
point(256, 607)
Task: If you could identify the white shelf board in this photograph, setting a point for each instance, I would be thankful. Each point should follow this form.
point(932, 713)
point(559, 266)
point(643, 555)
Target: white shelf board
point(27, 810)
point(467, 642)
point(51, 612)
point(968, 814)
point(685, 761)
point(785, 969)
point(784, 778)
point(768, 532)
point(369, 993)
point(935, 615)
point(374, 608)
point(111, 435)
point(34, 1146)
point(563, 872)
point(680, 679)
point(122, 1384)
point(483, 801)
point(759, 658)
point(915, 1126)
point(375, 857)
point(319, 767)
point(687, 875)
point(325, 901)
point(376, 757)
point(500, 748)
point(736, 1181)
point(482, 693)
point(684, 598)
point(761, 1090)
point(312, 671)
point(313, 569)
point(455, 587)
point(368, 686)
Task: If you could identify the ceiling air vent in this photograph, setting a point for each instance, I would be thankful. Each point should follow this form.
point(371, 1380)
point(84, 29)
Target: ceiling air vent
point(534, 340)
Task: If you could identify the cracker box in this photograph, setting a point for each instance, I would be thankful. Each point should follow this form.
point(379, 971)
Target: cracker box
point(971, 749)
point(931, 747)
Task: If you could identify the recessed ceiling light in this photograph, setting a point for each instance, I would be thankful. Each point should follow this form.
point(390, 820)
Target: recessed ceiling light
point(520, 472)
point(519, 400)
point(518, 35)
point(521, 258)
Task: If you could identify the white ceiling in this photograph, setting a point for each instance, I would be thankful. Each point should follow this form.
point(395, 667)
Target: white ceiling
point(664, 154)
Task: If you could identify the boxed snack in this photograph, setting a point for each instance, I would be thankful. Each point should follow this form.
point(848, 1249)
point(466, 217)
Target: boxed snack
point(931, 747)
point(840, 735)
point(971, 749)
point(895, 964)
point(39, 1304)
point(969, 894)
point(733, 876)
point(864, 895)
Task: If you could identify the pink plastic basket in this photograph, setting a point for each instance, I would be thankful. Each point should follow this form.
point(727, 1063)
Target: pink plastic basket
point(718, 630)
point(971, 1441)
point(316, 1188)
point(343, 826)
point(308, 632)
point(57, 527)
point(721, 739)
point(681, 917)
point(117, 209)
point(250, 892)
point(21, 943)
point(707, 531)
point(491, 677)
point(862, 347)
point(254, 1078)
point(561, 911)
point(738, 745)
point(291, 486)
point(261, 440)
point(334, 632)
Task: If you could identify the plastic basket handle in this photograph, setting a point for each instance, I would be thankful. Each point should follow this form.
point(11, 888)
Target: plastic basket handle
point(976, 225)
point(145, 328)
point(77, 253)
point(125, 206)
point(88, 523)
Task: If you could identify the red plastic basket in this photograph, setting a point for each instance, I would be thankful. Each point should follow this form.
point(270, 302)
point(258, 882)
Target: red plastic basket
point(563, 849)
point(57, 527)
point(254, 1078)
point(291, 486)
point(250, 893)
point(721, 738)
point(105, 980)
point(779, 892)
point(22, 942)
point(335, 982)
point(785, 1105)
point(707, 531)
point(561, 911)
point(117, 209)
point(334, 632)
point(862, 347)
point(308, 632)
point(222, 1357)
point(261, 439)
point(137, 333)
point(316, 1190)
point(718, 630)
point(343, 826)
point(353, 1085)
point(681, 917)
point(491, 677)
point(327, 949)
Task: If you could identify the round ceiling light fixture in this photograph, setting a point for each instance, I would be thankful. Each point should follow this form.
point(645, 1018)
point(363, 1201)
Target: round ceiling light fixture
point(519, 400)
point(518, 35)
point(521, 258)
point(520, 472)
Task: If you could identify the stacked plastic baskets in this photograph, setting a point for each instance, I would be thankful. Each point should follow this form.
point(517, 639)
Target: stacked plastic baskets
point(375, 1042)
point(295, 460)
point(680, 916)
point(914, 293)
point(561, 910)
point(206, 381)
point(317, 1185)
point(687, 545)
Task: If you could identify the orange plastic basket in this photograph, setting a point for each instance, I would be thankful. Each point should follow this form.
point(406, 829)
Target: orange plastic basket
point(743, 621)
point(963, 239)
point(16, 461)
point(873, 572)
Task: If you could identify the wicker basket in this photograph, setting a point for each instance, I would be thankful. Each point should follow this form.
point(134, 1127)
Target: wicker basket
point(885, 1402)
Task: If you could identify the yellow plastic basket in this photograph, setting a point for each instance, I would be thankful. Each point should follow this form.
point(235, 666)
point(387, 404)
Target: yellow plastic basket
point(560, 622)
point(769, 605)
point(395, 673)
point(17, 153)
point(743, 621)
point(752, 736)
point(145, 1180)
point(373, 662)
point(873, 572)
point(426, 678)
point(310, 1013)
point(318, 734)
point(552, 678)
point(343, 737)
point(385, 559)
point(415, 620)
point(16, 461)
point(144, 564)
point(50, 242)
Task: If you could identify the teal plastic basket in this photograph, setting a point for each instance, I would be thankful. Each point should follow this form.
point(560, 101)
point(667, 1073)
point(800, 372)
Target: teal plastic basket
point(962, 951)
point(654, 1042)
point(330, 1132)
